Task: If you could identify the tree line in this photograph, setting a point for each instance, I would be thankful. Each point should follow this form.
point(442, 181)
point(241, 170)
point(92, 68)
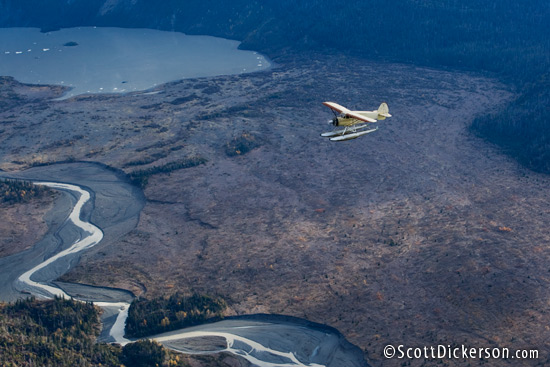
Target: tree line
point(17, 191)
point(141, 177)
point(52, 333)
point(63, 332)
point(522, 128)
point(148, 317)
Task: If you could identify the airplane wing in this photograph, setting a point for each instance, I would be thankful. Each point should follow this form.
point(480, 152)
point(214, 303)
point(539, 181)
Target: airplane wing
point(353, 114)
point(358, 116)
point(336, 107)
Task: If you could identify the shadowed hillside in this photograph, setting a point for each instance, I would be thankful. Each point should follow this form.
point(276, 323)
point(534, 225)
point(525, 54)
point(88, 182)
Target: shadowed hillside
point(495, 35)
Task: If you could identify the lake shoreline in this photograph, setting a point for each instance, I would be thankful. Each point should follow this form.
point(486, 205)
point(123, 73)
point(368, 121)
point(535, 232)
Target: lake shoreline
point(108, 60)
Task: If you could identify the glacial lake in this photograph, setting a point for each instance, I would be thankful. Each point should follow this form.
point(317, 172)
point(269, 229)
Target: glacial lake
point(118, 60)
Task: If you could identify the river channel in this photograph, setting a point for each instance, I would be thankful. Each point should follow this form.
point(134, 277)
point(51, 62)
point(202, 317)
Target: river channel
point(99, 204)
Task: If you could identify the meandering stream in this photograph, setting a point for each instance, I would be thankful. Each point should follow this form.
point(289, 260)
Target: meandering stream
point(99, 204)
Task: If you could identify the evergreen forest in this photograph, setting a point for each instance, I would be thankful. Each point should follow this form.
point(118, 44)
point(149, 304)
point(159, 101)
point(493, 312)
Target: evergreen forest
point(62, 333)
point(148, 317)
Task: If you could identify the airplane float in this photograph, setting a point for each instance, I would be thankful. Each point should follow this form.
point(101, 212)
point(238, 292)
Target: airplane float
point(354, 123)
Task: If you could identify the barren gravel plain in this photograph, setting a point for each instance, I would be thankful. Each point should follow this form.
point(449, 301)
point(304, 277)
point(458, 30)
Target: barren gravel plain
point(17, 235)
point(420, 234)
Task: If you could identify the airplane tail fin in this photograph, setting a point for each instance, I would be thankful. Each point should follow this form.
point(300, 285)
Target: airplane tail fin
point(383, 111)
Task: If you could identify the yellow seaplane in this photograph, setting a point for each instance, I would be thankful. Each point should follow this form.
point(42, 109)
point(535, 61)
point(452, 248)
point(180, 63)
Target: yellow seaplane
point(353, 124)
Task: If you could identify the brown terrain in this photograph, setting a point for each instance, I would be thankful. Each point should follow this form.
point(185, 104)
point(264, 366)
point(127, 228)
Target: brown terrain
point(419, 234)
point(22, 224)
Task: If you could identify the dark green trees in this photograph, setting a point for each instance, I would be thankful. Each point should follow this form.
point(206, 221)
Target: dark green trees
point(148, 317)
